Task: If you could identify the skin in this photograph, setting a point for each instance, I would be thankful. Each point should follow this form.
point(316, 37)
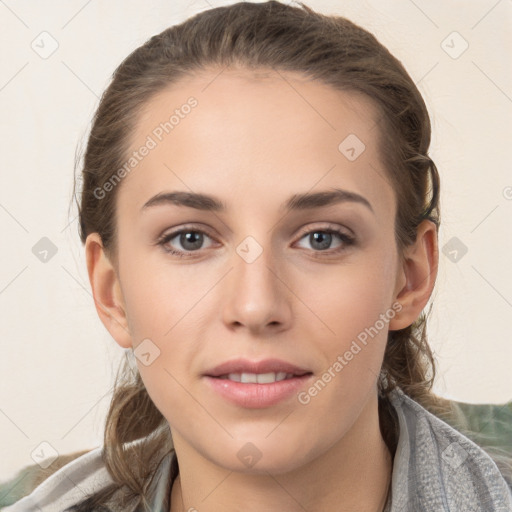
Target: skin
point(294, 302)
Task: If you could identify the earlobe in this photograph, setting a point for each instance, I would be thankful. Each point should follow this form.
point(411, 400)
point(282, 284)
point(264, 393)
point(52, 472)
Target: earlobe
point(106, 290)
point(416, 278)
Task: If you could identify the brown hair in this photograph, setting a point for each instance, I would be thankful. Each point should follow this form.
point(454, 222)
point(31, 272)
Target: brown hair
point(330, 49)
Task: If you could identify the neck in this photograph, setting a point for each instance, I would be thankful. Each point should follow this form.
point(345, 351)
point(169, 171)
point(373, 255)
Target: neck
point(354, 474)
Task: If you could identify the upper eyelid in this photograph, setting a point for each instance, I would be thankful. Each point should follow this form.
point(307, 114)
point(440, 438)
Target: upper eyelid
point(328, 227)
point(185, 229)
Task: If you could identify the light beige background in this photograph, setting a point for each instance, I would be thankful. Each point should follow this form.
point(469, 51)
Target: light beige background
point(58, 361)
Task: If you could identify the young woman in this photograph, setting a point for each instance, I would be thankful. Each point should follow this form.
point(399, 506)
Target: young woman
point(260, 216)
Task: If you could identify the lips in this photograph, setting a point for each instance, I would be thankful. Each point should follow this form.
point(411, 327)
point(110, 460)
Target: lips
point(267, 366)
point(257, 384)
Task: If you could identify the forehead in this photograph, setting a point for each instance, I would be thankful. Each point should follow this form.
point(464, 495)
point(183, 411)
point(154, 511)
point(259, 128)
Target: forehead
point(258, 130)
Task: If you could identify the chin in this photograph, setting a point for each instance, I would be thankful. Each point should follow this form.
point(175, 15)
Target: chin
point(261, 456)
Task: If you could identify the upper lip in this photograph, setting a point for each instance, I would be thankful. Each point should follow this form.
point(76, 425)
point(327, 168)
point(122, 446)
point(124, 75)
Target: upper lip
point(247, 366)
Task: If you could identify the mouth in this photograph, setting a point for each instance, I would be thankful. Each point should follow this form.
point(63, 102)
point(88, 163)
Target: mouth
point(257, 384)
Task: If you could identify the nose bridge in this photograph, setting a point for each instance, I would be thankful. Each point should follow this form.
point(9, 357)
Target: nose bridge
point(254, 252)
point(253, 270)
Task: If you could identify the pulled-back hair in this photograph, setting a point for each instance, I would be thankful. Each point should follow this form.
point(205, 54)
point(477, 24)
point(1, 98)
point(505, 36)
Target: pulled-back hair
point(329, 49)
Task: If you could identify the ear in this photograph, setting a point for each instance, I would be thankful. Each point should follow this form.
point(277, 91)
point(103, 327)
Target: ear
point(416, 277)
point(106, 290)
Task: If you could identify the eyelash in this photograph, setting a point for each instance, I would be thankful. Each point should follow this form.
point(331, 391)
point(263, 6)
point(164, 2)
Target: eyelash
point(346, 239)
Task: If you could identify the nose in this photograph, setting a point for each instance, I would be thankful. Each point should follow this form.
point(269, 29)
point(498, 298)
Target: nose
point(257, 294)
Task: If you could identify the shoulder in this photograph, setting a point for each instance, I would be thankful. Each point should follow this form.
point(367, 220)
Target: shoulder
point(70, 484)
point(438, 468)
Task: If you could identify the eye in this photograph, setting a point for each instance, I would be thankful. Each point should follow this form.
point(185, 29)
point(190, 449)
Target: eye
point(191, 240)
point(321, 239)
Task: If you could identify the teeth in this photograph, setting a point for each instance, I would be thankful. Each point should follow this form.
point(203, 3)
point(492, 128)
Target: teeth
point(258, 378)
point(249, 377)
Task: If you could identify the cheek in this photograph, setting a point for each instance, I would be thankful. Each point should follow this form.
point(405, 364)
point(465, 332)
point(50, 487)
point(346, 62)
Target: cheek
point(354, 306)
point(157, 294)
point(159, 302)
point(352, 297)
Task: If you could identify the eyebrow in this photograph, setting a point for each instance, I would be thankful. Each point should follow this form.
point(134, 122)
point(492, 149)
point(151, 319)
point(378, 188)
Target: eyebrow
point(296, 202)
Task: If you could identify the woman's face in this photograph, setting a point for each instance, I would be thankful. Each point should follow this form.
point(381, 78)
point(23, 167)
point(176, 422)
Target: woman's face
point(264, 277)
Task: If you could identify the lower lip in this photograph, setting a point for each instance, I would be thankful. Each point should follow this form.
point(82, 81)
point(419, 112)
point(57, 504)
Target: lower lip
point(257, 396)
